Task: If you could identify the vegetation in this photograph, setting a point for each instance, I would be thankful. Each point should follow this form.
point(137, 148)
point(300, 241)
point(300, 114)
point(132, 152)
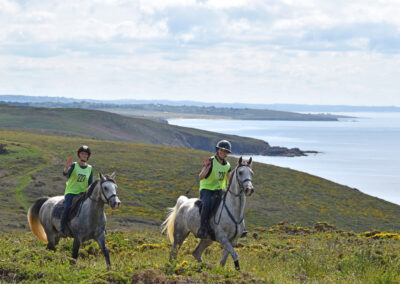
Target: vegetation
point(161, 111)
point(280, 254)
point(104, 125)
point(151, 178)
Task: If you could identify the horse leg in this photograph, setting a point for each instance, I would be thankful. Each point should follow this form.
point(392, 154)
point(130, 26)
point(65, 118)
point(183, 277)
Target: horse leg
point(204, 243)
point(225, 254)
point(180, 235)
point(101, 240)
point(75, 248)
point(226, 244)
point(51, 240)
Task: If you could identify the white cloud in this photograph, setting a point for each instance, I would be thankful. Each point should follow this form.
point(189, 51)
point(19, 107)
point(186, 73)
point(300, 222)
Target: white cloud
point(274, 51)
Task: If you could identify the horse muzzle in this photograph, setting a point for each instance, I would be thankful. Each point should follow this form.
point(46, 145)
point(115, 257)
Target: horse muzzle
point(115, 203)
point(249, 191)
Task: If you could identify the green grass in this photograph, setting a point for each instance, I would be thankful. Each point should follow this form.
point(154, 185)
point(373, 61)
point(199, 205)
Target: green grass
point(281, 254)
point(151, 178)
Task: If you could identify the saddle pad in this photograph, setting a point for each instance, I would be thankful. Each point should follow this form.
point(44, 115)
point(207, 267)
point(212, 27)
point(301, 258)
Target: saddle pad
point(73, 210)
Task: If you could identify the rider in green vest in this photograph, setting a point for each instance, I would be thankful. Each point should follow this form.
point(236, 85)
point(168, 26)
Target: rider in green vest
point(80, 176)
point(213, 178)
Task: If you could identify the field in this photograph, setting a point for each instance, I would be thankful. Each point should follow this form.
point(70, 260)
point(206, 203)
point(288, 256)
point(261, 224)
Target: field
point(280, 254)
point(150, 178)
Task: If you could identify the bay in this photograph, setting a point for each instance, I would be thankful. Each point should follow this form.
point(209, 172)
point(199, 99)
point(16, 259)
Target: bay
point(358, 152)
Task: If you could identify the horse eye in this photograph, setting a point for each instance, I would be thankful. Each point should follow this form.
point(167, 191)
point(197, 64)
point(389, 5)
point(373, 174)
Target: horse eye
point(106, 188)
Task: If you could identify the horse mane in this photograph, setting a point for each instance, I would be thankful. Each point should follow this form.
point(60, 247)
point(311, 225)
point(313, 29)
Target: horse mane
point(91, 188)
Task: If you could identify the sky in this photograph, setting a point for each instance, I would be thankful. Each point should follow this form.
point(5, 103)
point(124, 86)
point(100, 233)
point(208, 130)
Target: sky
point(292, 51)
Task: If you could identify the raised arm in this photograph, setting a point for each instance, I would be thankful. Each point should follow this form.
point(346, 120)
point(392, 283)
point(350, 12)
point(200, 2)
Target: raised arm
point(206, 168)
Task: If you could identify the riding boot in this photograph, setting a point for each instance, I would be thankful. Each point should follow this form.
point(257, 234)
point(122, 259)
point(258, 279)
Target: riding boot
point(63, 225)
point(202, 233)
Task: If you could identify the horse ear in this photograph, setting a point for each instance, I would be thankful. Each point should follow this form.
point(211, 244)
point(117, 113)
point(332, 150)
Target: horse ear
point(101, 176)
point(112, 175)
point(240, 160)
point(250, 162)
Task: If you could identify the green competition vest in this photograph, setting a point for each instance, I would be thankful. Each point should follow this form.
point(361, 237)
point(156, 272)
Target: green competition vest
point(217, 178)
point(79, 180)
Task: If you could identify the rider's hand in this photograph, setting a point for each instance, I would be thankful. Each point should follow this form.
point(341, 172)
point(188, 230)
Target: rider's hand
point(207, 162)
point(68, 163)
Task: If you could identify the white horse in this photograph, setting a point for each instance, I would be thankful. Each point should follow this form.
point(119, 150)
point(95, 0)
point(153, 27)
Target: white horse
point(227, 223)
point(89, 223)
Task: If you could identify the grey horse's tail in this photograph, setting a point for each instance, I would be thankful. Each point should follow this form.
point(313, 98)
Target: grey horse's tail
point(168, 224)
point(34, 221)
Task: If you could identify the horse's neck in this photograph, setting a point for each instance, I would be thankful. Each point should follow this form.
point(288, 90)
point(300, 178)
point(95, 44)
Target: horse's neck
point(94, 203)
point(234, 199)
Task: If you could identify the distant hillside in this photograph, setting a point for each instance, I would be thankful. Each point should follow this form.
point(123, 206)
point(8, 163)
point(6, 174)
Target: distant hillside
point(163, 111)
point(150, 179)
point(110, 126)
point(276, 107)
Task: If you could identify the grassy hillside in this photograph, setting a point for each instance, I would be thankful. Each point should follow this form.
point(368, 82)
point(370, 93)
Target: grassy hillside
point(151, 178)
point(281, 254)
point(110, 126)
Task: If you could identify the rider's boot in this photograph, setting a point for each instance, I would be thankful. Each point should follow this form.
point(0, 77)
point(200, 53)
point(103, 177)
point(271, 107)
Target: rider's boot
point(202, 233)
point(63, 225)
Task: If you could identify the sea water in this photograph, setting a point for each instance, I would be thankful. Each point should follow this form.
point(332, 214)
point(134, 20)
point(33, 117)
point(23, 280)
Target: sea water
point(361, 152)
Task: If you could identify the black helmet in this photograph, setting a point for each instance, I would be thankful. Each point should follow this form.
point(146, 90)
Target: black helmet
point(224, 145)
point(84, 148)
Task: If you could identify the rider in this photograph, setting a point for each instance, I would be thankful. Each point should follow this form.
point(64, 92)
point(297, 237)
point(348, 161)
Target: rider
point(213, 178)
point(80, 176)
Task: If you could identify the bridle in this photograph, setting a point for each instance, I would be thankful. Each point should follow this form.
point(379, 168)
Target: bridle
point(240, 183)
point(102, 190)
point(240, 194)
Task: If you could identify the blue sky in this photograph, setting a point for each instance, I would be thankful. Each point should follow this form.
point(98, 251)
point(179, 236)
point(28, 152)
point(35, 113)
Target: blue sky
point(312, 52)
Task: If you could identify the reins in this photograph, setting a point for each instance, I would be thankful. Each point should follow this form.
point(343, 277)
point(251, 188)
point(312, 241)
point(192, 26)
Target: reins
point(237, 223)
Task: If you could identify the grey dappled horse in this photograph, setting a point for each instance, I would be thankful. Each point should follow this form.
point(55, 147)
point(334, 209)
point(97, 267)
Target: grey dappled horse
point(90, 222)
point(227, 223)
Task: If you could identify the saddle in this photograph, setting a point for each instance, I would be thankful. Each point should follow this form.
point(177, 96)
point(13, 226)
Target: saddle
point(73, 210)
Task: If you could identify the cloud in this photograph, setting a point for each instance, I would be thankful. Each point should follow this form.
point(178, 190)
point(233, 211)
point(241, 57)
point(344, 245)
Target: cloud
point(178, 47)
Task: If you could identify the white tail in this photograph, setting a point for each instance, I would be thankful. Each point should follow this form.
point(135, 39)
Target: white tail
point(168, 224)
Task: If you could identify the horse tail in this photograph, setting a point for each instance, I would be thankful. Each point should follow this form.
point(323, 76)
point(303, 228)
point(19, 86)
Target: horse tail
point(168, 224)
point(34, 221)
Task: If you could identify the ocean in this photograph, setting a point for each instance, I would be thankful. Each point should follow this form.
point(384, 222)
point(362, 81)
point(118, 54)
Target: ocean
point(361, 152)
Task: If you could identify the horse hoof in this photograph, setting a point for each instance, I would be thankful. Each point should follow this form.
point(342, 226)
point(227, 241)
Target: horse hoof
point(237, 266)
point(197, 258)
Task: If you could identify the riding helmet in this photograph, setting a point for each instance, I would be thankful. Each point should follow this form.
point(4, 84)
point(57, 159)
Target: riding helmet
point(224, 145)
point(84, 148)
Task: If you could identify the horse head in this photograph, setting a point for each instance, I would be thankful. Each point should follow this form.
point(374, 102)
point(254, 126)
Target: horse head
point(108, 190)
point(245, 175)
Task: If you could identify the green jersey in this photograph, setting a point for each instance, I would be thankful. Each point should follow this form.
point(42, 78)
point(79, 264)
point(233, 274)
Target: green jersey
point(217, 178)
point(78, 181)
